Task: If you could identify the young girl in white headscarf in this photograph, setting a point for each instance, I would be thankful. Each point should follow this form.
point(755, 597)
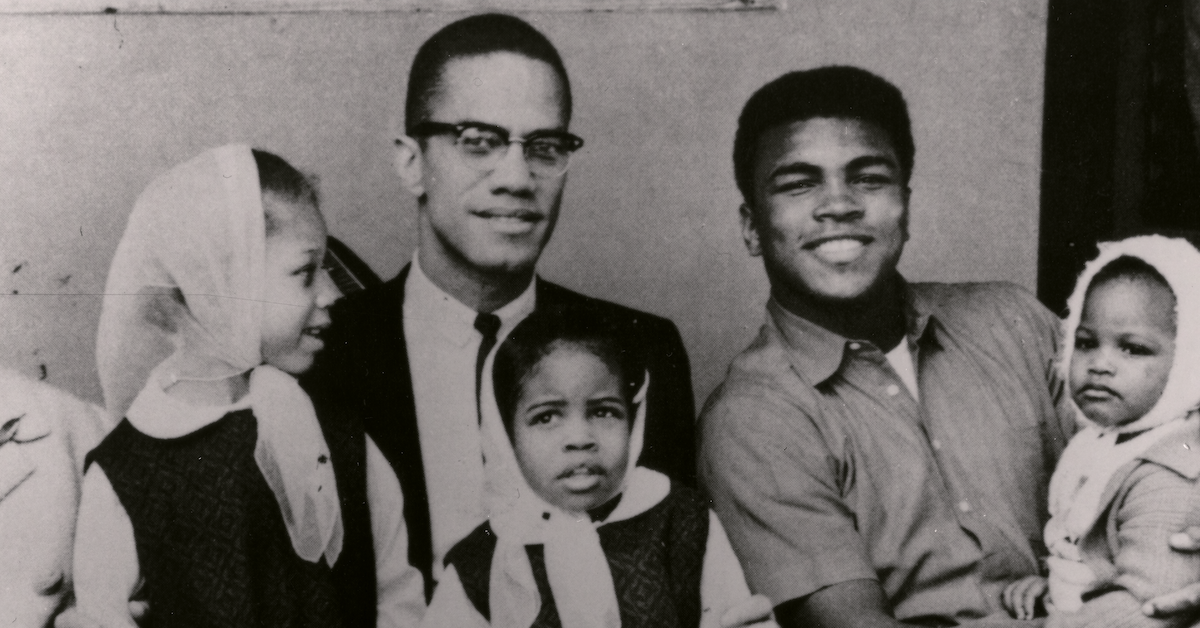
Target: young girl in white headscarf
point(1131, 477)
point(587, 539)
point(224, 498)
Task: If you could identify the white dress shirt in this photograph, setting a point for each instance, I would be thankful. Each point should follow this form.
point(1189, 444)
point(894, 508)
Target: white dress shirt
point(443, 344)
point(106, 561)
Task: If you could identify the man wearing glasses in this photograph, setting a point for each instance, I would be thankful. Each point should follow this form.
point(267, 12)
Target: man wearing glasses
point(485, 151)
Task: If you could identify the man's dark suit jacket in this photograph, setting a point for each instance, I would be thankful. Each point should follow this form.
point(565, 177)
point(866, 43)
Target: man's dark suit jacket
point(365, 366)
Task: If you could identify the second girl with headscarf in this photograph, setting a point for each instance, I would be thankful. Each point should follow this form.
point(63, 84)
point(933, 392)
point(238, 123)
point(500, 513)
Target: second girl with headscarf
point(224, 498)
point(580, 536)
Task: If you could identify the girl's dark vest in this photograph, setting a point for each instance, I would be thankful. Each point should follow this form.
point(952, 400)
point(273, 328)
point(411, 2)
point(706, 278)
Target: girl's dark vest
point(211, 542)
point(656, 559)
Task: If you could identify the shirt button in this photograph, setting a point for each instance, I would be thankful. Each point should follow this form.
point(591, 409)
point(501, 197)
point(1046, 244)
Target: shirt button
point(854, 346)
point(892, 390)
point(964, 506)
point(937, 445)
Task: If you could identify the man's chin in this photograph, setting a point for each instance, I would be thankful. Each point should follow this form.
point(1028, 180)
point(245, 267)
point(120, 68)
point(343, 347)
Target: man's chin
point(483, 252)
point(823, 284)
point(843, 292)
point(505, 261)
point(851, 289)
point(505, 268)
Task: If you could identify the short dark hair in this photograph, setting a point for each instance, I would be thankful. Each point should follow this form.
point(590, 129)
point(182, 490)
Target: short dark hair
point(277, 176)
point(825, 92)
point(1129, 268)
point(474, 36)
point(549, 329)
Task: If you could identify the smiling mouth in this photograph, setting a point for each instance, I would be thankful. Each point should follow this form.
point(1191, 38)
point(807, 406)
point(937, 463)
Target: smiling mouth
point(510, 222)
point(839, 249)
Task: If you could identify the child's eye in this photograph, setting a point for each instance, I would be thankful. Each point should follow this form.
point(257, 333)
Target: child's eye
point(1136, 349)
point(543, 418)
point(609, 412)
point(309, 273)
point(1084, 343)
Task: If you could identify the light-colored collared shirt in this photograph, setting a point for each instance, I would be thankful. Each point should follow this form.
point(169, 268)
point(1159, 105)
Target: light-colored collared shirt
point(824, 470)
point(901, 359)
point(443, 346)
point(41, 467)
point(106, 560)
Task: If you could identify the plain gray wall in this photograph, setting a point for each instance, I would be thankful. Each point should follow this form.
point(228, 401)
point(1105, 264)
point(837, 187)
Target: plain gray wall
point(93, 107)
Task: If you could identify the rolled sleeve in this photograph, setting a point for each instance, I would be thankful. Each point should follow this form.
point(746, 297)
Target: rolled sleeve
point(777, 492)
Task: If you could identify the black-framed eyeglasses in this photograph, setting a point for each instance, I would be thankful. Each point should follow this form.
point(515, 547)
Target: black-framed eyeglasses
point(482, 145)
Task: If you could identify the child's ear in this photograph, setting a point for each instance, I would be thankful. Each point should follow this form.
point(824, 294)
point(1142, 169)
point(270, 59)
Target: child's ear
point(409, 161)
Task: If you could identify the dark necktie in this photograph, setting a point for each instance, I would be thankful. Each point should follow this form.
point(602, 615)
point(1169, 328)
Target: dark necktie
point(488, 325)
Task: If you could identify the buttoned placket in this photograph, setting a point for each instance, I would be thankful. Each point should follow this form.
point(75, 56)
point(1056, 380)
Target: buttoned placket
point(884, 378)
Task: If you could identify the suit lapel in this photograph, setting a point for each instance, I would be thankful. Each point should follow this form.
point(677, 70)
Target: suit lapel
point(551, 295)
point(389, 377)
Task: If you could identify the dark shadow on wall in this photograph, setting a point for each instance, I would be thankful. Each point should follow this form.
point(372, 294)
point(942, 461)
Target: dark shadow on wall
point(1119, 153)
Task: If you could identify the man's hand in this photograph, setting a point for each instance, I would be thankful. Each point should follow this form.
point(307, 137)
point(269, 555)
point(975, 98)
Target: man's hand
point(753, 613)
point(1187, 598)
point(1021, 597)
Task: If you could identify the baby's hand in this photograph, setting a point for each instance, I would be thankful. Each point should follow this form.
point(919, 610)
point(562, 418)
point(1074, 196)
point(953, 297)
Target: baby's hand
point(1021, 597)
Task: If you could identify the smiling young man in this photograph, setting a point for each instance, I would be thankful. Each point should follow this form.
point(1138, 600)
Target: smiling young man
point(485, 152)
point(880, 454)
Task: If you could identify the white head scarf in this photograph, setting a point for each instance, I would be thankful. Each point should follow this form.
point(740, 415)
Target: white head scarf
point(576, 566)
point(1093, 455)
point(1179, 263)
point(184, 301)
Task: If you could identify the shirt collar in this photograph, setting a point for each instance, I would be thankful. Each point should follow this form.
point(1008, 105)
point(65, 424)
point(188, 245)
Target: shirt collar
point(817, 353)
point(432, 306)
point(516, 310)
point(919, 312)
point(1179, 452)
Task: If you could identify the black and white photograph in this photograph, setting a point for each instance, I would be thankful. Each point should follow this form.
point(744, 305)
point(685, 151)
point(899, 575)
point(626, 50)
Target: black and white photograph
point(599, 313)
